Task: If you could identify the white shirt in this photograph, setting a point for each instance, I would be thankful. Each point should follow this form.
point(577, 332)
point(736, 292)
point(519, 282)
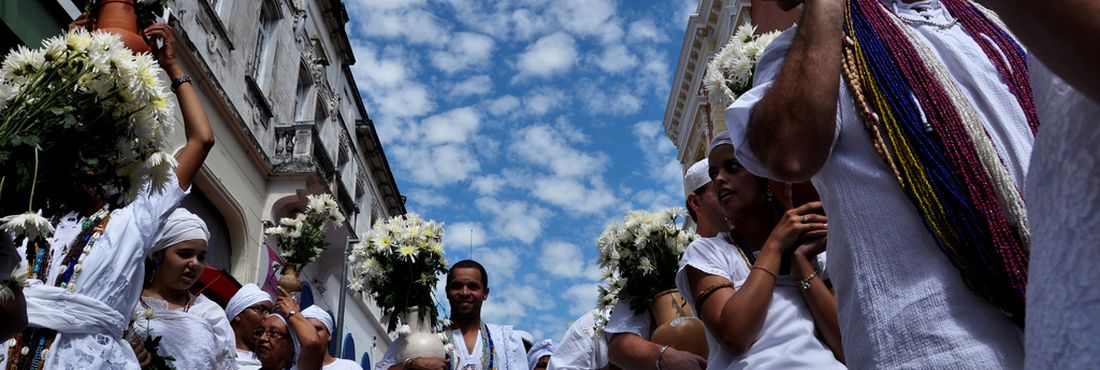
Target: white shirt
point(342, 364)
point(902, 304)
point(581, 348)
point(786, 340)
point(624, 320)
point(510, 354)
point(199, 338)
point(246, 359)
point(112, 274)
point(1063, 194)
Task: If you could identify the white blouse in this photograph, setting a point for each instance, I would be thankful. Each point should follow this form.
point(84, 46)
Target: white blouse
point(198, 338)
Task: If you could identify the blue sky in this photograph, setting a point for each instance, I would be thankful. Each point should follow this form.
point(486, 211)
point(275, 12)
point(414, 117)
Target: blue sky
point(534, 123)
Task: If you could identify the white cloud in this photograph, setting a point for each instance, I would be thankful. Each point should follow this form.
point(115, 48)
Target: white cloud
point(511, 304)
point(645, 31)
point(542, 101)
point(457, 126)
point(583, 297)
point(588, 17)
point(410, 21)
point(427, 198)
point(457, 236)
point(502, 106)
point(549, 55)
point(545, 146)
point(385, 81)
point(562, 259)
point(473, 86)
point(616, 58)
point(487, 185)
point(465, 50)
point(664, 170)
point(501, 263)
point(515, 219)
point(573, 195)
point(599, 98)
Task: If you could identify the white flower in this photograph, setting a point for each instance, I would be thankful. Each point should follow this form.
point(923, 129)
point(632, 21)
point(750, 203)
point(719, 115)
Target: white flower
point(78, 40)
point(277, 231)
point(31, 225)
point(404, 329)
point(21, 62)
point(149, 313)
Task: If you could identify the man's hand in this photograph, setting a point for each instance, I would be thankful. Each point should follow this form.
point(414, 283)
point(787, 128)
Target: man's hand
point(675, 359)
point(427, 363)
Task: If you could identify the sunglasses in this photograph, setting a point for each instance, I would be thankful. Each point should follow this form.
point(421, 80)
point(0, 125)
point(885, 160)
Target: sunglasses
point(271, 333)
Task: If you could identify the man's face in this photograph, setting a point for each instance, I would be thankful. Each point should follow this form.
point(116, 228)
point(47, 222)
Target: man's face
point(709, 207)
point(466, 292)
point(322, 330)
point(250, 318)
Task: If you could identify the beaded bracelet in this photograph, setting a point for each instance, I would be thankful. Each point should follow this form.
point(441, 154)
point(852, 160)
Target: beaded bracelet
point(806, 283)
point(705, 294)
point(774, 275)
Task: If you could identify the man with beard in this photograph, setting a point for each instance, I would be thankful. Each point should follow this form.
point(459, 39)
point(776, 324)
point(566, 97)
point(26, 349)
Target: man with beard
point(477, 344)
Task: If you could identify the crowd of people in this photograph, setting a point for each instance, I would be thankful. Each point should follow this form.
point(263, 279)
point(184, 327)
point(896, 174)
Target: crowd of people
point(923, 125)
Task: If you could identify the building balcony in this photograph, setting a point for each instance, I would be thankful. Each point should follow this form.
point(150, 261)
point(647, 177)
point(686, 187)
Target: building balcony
point(299, 150)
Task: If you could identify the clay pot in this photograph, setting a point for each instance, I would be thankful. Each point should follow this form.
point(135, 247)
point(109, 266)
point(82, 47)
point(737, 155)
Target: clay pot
point(420, 341)
point(677, 325)
point(120, 17)
point(290, 280)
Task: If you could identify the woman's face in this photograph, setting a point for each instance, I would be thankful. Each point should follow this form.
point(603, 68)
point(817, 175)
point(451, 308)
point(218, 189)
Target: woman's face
point(181, 264)
point(274, 348)
point(739, 192)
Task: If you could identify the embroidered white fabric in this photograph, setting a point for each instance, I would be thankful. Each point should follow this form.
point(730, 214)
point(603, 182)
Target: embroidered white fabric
point(199, 338)
point(786, 339)
point(510, 352)
point(112, 273)
point(581, 348)
point(901, 302)
point(1063, 193)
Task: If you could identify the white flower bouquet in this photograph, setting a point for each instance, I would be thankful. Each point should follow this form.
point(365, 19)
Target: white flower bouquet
point(639, 258)
point(301, 238)
point(80, 116)
point(398, 263)
point(730, 73)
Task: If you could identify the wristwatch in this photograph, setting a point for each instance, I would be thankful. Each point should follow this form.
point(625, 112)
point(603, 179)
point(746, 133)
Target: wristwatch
point(291, 313)
point(176, 82)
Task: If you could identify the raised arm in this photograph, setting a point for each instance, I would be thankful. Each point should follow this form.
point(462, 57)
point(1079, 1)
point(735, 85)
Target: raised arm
point(200, 136)
point(791, 128)
point(1062, 33)
point(313, 349)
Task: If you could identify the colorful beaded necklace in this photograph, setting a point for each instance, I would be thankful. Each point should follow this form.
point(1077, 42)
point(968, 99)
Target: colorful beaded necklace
point(941, 156)
point(37, 341)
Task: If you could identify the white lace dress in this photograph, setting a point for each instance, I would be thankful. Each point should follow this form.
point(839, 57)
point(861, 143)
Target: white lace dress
point(107, 289)
point(198, 337)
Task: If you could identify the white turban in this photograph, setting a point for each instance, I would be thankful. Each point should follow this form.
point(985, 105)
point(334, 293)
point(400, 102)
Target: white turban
point(544, 347)
point(526, 337)
point(248, 295)
point(181, 226)
point(314, 312)
point(721, 138)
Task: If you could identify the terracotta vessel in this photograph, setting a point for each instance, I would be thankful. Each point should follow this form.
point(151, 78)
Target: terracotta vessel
point(120, 17)
point(677, 325)
point(290, 280)
point(420, 341)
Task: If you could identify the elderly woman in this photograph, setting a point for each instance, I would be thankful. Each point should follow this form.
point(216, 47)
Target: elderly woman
point(287, 339)
point(193, 329)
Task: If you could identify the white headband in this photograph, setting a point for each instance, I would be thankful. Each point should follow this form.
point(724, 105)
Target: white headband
point(314, 312)
point(181, 226)
point(248, 295)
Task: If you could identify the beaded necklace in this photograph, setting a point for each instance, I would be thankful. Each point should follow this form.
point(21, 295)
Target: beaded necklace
point(37, 341)
point(942, 157)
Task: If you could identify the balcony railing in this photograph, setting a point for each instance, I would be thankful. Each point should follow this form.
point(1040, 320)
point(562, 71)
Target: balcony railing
point(298, 149)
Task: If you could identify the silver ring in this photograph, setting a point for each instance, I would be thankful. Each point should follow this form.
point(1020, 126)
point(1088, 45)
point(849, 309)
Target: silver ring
point(805, 219)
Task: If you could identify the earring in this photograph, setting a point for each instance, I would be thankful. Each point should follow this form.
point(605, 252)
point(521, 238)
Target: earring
point(769, 194)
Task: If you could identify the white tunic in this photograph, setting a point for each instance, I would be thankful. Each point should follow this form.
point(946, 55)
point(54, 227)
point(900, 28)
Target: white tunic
point(199, 338)
point(112, 274)
point(786, 340)
point(1063, 194)
point(342, 364)
point(901, 302)
point(510, 354)
point(246, 359)
point(581, 348)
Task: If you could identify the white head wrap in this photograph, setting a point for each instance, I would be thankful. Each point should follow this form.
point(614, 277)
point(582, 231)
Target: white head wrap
point(544, 347)
point(697, 176)
point(293, 338)
point(526, 337)
point(314, 312)
point(248, 295)
point(181, 226)
point(721, 138)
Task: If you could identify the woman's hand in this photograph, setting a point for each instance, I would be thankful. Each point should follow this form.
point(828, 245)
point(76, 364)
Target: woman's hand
point(166, 52)
point(796, 224)
point(81, 21)
point(285, 303)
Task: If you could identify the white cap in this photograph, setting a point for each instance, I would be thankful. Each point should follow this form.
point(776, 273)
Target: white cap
point(697, 176)
point(721, 138)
